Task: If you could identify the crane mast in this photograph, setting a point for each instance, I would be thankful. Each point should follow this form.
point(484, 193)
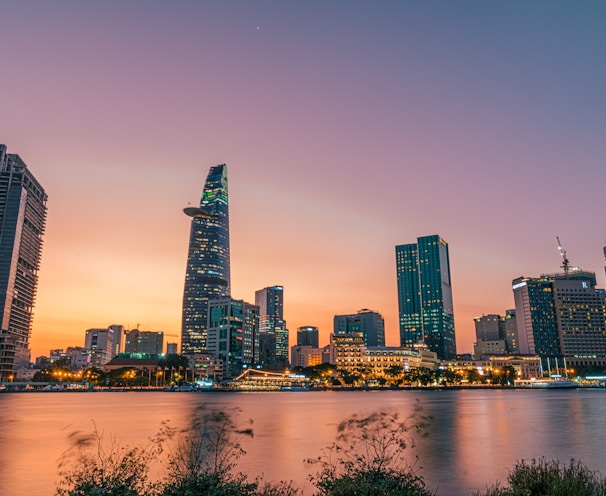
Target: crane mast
point(565, 262)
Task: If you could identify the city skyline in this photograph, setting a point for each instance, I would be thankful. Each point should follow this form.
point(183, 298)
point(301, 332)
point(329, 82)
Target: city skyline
point(348, 129)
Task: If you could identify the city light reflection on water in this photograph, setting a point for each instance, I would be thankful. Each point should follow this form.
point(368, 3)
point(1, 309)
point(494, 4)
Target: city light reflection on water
point(474, 436)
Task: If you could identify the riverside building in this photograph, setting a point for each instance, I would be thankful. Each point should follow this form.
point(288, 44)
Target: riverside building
point(562, 316)
point(273, 334)
point(22, 224)
point(425, 296)
point(370, 324)
point(208, 265)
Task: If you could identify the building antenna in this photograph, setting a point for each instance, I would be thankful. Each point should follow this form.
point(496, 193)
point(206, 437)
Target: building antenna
point(565, 262)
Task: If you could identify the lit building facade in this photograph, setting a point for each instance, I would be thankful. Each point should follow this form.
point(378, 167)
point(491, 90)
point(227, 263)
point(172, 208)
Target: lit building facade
point(138, 342)
point(100, 343)
point(305, 356)
point(370, 324)
point(561, 316)
point(232, 325)
point(273, 334)
point(22, 224)
point(208, 270)
point(425, 296)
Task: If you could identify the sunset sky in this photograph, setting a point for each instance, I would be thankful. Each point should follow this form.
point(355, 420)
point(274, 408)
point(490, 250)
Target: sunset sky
point(348, 127)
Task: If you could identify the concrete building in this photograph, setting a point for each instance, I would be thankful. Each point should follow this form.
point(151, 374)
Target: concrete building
point(370, 324)
point(22, 225)
point(171, 348)
point(100, 342)
point(305, 356)
point(206, 367)
point(148, 343)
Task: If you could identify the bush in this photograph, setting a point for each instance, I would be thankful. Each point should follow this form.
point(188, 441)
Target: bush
point(551, 478)
point(93, 466)
point(366, 457)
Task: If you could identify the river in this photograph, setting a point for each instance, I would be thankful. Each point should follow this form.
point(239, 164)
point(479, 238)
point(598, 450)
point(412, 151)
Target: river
point(474, 437)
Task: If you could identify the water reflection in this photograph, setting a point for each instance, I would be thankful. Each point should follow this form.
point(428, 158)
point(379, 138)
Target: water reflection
point(474, 438)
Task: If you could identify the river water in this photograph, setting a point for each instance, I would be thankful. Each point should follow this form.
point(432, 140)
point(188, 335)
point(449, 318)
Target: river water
point(474, 437)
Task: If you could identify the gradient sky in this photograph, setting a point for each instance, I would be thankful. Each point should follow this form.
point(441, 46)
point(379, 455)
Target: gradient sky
point(348, 128)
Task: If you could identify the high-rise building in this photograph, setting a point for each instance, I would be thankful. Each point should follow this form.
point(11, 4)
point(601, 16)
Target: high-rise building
point(273, 334)
point(138, 342)
point(370, 324)
point(207, 275)
point(561, 316)
point(308, 336)
point(22, 223)
point(425, 296)
point(100, 343)
point(490, 335)
point(232, 325)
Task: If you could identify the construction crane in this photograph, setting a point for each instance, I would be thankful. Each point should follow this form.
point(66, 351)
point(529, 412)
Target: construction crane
point(565, 262)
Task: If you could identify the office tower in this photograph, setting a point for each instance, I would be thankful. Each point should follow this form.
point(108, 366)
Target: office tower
point(171, 348)
point(22, 223)
point(308, 336)
point(370, 324)
point(561, 316)
point(100, 342)
point(207, 275)
point(425, 296)
point(138, 342)
point(490, 327)
point(232, 325)
point(490, 336)
point(273, 335)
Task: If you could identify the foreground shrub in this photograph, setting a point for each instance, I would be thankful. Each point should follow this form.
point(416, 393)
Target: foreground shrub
point(95, 466)
point(206, 456)
point(551, 478)
point(366, 457)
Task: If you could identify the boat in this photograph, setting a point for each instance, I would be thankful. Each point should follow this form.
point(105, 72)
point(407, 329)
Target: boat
point(261, 380)
point(547, 384)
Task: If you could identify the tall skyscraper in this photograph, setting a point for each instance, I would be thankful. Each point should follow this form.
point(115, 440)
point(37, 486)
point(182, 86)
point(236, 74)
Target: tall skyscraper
point(370, 324)
point(207, 274)
point(22, 223)
point(425, 296)
point(273, 334)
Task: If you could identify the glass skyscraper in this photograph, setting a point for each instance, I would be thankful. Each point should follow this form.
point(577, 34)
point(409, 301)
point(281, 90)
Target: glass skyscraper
point(425, 296)
point(22, 223)
point(273, 334)
point(207, 275)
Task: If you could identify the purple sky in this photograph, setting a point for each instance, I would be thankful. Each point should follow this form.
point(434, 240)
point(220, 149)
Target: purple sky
point(347, 127)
